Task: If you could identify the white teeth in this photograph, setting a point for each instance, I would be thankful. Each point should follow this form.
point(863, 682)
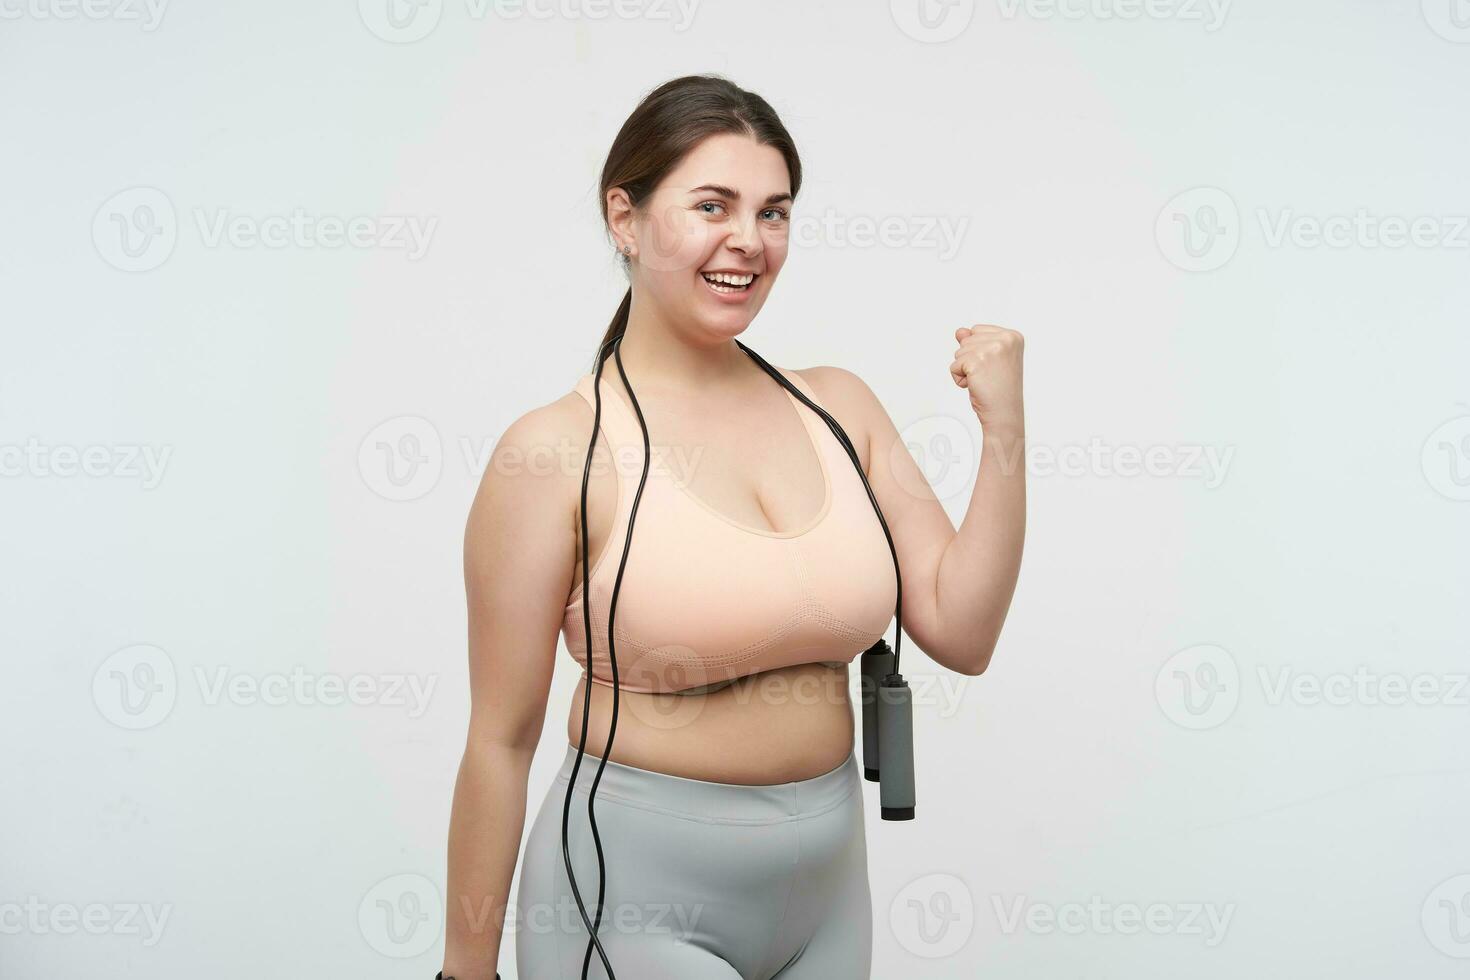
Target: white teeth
point(730, 278)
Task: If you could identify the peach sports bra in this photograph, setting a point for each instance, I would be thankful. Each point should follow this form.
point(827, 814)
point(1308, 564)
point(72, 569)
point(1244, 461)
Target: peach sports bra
point(705, 599)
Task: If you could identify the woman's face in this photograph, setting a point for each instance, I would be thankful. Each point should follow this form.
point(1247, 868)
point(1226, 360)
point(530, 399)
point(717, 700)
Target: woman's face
point(722, 212)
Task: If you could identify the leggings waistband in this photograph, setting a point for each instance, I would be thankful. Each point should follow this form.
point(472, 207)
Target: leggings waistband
point(712, 802)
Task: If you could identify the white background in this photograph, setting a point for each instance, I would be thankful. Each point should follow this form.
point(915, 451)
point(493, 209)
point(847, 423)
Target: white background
point(1131, 746)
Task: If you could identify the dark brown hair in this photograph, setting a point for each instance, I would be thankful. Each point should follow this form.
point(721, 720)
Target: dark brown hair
point(669, 122)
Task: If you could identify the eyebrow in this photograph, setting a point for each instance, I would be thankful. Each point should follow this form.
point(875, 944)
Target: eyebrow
point(734, 195)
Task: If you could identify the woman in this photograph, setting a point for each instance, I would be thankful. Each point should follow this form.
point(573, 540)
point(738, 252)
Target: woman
point(729, 813)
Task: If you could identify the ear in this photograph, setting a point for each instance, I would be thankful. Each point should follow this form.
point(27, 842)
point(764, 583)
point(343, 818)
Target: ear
point(620, 218)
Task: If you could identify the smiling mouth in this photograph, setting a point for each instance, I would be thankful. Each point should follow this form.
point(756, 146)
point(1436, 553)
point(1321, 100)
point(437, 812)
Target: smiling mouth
point(725, 282)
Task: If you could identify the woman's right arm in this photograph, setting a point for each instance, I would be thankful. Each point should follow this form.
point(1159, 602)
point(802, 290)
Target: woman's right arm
point(518, 565)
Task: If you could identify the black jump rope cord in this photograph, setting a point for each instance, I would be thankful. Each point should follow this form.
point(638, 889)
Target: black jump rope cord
point(613, 346)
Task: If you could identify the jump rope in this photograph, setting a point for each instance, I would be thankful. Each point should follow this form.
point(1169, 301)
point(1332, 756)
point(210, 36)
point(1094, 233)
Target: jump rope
point(888, 733)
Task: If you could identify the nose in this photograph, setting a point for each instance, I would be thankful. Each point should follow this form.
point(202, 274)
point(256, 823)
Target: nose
point(743, 237)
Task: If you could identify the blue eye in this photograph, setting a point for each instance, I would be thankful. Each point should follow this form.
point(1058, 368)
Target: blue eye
point(781, 213)
point(709, 203)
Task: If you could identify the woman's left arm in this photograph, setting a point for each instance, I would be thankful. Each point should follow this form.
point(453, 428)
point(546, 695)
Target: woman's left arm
point(957, 584)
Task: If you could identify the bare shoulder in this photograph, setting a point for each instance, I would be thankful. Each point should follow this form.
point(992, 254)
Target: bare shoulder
point(550, 425)
point(842, 391)
point(536, 464)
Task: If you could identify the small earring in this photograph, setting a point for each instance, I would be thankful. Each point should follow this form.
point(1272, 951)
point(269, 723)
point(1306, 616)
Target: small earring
point(627, 250)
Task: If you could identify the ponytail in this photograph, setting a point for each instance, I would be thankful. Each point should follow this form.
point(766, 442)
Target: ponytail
point(619, 322)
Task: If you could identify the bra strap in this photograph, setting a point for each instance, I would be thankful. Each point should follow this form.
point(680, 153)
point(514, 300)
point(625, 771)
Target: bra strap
point(617, 424)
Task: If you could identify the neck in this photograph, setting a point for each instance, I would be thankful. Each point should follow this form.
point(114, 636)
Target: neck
point(663, 355)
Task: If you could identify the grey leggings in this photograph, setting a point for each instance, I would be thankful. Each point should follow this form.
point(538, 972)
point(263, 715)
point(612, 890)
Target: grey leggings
point(705, 880)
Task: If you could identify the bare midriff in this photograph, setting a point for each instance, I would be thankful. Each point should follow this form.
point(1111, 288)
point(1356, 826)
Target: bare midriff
point(777, 726)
